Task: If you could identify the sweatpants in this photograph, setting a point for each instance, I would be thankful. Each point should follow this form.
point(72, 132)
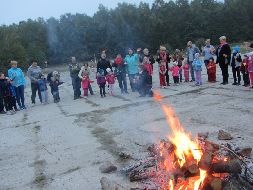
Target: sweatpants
point(162, 80)
point(102, 89)
point(198, 77)
point(176, 79)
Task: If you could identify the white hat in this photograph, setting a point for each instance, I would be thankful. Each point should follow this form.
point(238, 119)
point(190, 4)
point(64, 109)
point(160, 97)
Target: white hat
point(108, 70)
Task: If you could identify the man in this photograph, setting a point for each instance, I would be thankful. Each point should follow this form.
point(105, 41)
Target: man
point(103, 63)
point(132, 61)
point(191, 51)
point(223, 58)
point(34, 72)
point(208, 52)
point(74, 70)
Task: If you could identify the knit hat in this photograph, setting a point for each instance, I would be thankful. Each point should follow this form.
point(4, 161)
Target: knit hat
point(196, 55)
point(108, 70)
point(237, 48)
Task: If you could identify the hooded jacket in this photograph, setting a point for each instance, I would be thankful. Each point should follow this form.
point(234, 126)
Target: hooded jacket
point(197, 63)
point(132, 63)
point(191, 51)
point(17, 77)
point(103, 64)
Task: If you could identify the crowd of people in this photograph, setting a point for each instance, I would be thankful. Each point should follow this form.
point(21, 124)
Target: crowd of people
point(138, 66)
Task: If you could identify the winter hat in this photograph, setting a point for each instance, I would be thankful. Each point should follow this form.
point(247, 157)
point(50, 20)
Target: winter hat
point(108, 70)
point(197, 55)
point(73, 60)
point(237, 48)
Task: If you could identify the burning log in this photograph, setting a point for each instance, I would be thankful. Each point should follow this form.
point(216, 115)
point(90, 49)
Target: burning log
point(138, 175)
point(207, 158)
point(233, 167)
point(213, 183)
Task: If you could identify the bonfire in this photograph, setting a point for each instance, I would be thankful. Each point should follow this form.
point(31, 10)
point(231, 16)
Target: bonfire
point(182, 162)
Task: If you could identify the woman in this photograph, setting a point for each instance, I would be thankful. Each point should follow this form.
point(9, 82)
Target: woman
point(208, 52)
point(223, 58)
point(163, 56)
point(132, 61)
point(19, 82)
point(120, 71)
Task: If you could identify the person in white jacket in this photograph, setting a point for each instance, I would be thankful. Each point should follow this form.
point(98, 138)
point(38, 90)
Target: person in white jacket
point(87, 70)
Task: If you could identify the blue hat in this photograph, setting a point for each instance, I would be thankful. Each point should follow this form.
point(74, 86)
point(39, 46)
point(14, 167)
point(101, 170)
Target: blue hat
point(101, 71)
point(237, 48)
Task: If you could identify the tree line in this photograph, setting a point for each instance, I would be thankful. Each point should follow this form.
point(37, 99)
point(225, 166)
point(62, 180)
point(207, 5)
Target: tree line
point(171, 24)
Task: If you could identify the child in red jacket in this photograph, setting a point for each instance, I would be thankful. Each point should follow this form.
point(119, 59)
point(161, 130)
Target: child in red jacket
point(162, 73)
point(186, 68)
point(211, 69)
point(85, 84)
point(110, 78)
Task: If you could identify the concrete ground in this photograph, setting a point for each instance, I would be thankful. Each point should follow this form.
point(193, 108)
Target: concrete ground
point(61, 146)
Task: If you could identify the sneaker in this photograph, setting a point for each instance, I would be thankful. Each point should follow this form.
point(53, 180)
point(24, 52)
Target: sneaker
point(126, 92)
point(102, 96)
point(235, 83)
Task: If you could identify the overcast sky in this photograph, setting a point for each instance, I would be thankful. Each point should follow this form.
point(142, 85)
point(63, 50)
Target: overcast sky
point(13, 11)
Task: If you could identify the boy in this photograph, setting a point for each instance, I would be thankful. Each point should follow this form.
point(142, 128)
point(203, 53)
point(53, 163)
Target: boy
point(43, 89)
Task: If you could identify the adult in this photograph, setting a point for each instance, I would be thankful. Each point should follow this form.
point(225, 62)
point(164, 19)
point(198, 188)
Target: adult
point(164, 56)
point(18, 82)
point(192, 49)
point(120, 71)
point(103, 63)
point(132, 60)
point(223, 58)
point(85, 69)
point(74, 69)
point(34, 72)
point(208, 52)
point(236, 61)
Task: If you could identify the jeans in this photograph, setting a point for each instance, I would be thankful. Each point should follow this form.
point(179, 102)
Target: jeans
point(122, 82)
point(20, 95)
point(131, 79)
point(192, 70)
point(44, 96)
point(181, 75)
point(76, 83)
point(35, 88)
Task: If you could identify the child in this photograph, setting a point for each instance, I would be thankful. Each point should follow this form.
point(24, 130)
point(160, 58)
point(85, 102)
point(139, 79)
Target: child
point(42, 83)
point(162, 73)
point(149, 68)
point(110, 78)
point(175, 72)
point(197, 65)
point(186, 68)
point(244, 70)
point(250, 69)
point(86, 83)
point(13, 99)
point(5, 95)
point(143, 82)
point(54, 84)
point(85, 69)
point(235, 64)
point(101, 81)
point(211, 70)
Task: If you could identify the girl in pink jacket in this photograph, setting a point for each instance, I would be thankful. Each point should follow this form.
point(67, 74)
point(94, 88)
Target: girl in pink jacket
point(85, 84)
point(175, 72)
point(186, 69)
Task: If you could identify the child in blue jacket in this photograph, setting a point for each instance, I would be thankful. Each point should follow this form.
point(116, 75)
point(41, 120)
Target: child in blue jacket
point(197, 65)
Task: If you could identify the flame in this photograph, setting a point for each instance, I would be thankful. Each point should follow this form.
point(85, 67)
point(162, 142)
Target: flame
point(185, 147)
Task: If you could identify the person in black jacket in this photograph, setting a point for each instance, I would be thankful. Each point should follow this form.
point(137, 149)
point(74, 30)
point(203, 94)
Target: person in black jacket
point(103, 63)
point(235, 64)
point(223, 58)
point(74, 69)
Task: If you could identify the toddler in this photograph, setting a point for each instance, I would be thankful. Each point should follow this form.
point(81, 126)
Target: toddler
point(211, 70)
point(101, 81)
point(186, 68)
point(162, 73)
point(110, 78)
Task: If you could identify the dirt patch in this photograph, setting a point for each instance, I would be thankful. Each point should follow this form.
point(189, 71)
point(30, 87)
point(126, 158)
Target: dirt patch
point(71, 170)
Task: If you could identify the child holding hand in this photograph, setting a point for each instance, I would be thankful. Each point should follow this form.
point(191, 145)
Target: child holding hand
point(85, 84)
point(110, 78)
point(211, 70)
